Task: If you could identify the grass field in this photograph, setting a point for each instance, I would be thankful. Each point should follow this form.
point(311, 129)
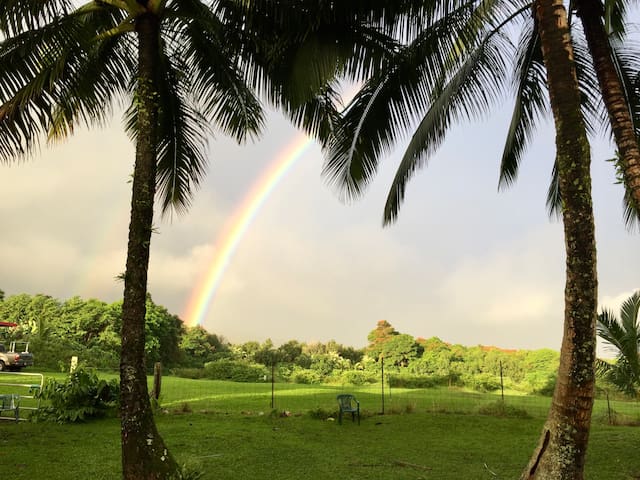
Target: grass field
point(229, 431)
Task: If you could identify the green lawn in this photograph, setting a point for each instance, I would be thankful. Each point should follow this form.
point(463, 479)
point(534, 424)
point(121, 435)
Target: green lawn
point(228, 431)
point(213, 395)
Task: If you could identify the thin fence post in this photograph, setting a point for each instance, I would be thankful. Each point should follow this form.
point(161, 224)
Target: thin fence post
point(157, 380)
point(273, 383)
point(382, 375)
point(501, 382)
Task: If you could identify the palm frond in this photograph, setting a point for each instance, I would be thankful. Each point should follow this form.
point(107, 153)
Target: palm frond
point(610, 330)
point(290, 54)
point(629, 312)
point(99, 74)
point(554, 198)
point(593, 109)
point(622, 336)
point(211, 56)
point(387, 104)
point(615, 17)
point(603, 368)
point(401, 17)
point(23, 15)
point(182, 131)
point(301, 71)
point(531, 102)
point(46, 79)
point(625, 58)
point(318, 116)
point(31, 65)
point(368, 52)
point(476, 85)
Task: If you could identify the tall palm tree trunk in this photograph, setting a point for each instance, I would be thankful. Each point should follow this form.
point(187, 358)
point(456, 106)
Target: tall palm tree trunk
point(563, 444)
point(144, 455)
point(591, 14)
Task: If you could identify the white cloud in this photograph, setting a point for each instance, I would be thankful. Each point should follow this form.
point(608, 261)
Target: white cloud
point(613, 302)
point(509, 290)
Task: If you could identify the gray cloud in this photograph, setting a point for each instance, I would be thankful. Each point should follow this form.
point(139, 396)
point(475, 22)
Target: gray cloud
point(463, 262)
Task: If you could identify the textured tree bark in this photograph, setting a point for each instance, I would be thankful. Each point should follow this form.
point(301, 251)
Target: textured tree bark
point(561, 452)
point(591, 13)
point(144, 455)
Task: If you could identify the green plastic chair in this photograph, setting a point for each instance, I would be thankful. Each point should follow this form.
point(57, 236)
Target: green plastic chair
point(10, 403)
point(348, 404)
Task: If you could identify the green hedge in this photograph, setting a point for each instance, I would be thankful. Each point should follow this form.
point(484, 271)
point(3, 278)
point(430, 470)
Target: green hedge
point(422, 381)
point(235, 371)
point(356, 377)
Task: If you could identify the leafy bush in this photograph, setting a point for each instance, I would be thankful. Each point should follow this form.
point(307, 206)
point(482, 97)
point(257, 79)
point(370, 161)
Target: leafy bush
point(357, 377)
point(283, 372)
point(101, 359)
point(235, 370)
point(322, 414)
point(482, 382)
point(540, 382)
point(81, 397)
point(304, 376)
point(49, 353)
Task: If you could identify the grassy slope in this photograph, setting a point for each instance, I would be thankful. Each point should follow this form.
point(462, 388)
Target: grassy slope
point(230, 434)
point(236, 446)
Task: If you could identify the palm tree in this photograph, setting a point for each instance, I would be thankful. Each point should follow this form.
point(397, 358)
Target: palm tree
point(622, 336)
point(616, 92)
point(454, 64)
point(607, 71)
point(562, 450)
point(183, 67)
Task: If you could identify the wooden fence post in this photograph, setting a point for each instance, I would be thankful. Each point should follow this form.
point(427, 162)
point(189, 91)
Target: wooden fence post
point(157, 380)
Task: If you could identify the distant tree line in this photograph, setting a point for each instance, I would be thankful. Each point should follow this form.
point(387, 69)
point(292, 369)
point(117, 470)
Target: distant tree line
point(89, 329)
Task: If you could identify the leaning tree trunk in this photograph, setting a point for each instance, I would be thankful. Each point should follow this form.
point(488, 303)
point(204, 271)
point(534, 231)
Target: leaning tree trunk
point(144, 455)
point(563, 444)
point(613, 95)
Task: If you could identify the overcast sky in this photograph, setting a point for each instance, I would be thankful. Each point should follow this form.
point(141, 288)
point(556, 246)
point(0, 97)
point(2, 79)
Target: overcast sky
point(464, 262)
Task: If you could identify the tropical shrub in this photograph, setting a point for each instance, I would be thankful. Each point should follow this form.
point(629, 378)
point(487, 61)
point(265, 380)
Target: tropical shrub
point(540, 382)
point(101, 359)
point(304, 376)
point(482, 382)
point(356, 377)
point(80, 397)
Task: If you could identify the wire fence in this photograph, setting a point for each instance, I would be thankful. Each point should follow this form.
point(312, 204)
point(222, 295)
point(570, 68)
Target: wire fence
point(231, 397)
point(265, 397)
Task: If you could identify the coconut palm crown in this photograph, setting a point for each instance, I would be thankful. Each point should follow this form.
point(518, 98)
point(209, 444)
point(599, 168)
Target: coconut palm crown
point(182, 70)
point(463, 60)
point(621, 336)
point(62, 65)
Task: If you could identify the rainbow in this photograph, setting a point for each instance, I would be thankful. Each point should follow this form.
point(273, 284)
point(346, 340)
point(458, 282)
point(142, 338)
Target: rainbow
point(227, 243)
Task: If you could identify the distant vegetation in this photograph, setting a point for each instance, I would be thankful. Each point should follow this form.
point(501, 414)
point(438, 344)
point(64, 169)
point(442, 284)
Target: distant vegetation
point(89, 329)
